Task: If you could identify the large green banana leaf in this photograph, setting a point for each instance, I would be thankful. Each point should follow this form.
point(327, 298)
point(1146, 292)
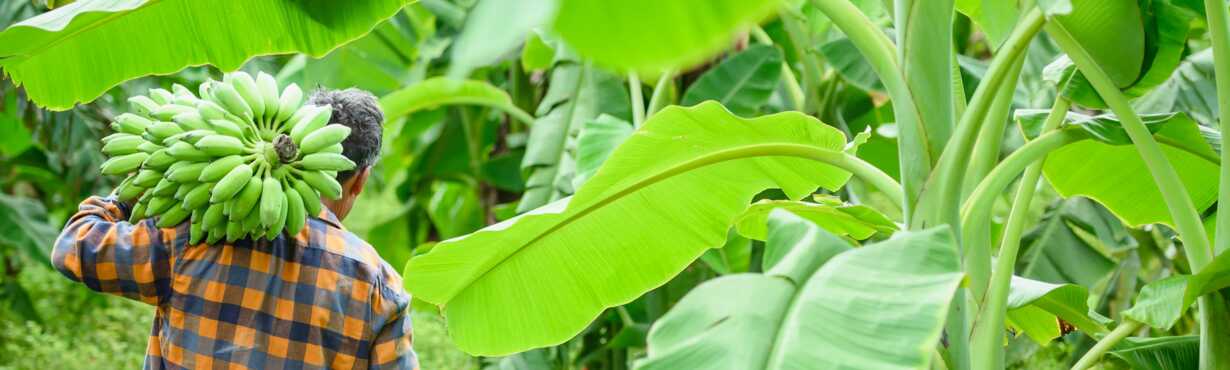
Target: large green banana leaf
point(1058, 251)
point(742, 82)
point(578, 94)
point(1162, 302)
point(995, 18)
point(494, 28)
point(1113, 32)
point(822, 306)
point(1034, 307)
point(654, 35)
point(1110, 171)
point(24, 224)
point(597, 139)
point(846, 60)
point(1195, 90)
point(666, 195)
point(1165, 32)
point(75, 53)
point(854, 220)
point(1160, 353)
point(435, 92)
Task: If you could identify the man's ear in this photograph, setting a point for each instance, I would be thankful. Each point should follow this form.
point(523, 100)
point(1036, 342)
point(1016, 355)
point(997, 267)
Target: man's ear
point(360, 180)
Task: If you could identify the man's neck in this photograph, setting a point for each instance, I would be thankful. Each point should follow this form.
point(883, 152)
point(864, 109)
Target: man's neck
point(334, 206)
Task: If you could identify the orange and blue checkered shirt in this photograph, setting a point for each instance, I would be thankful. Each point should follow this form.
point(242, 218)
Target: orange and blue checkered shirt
point(320, 299)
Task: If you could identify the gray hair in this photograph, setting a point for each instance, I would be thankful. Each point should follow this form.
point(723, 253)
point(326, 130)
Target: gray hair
point(358, 110)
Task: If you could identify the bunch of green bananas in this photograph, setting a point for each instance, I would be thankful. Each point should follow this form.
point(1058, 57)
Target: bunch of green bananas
point(240, 161)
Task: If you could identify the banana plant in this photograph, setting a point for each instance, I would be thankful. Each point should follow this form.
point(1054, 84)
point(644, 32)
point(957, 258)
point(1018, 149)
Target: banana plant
point(675, 186)
point(740, 184)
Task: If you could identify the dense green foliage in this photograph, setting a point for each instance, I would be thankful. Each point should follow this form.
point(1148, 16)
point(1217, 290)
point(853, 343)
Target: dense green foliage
point(696, 184)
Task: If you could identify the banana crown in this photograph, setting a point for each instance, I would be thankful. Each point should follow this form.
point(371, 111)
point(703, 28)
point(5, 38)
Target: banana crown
point(241, 160)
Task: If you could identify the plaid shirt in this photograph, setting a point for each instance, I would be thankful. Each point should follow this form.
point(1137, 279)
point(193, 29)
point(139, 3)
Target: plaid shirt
point(323, 299)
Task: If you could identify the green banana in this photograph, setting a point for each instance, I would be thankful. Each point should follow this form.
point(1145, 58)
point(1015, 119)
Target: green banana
point(211, 111)
point(161, 130)
point(173, 217)
point(226, 127)
point(138, 210)
point(113, 136)
point(246, 87)
point(127, 191)
point(148, 178)
point(184, 151)
point(220, 145)
point(142, 105)
point(198, 197)
point(213, 216)
point(231, 184)
point(159, 160)
point(227, 205)
point(326, 162)
point(191, 120)
point(288, 103)
point(296, 215)
point(251, 223)
point(220, 167)
point(158, 205)
point(189, 137)
point(183, 190)
point(165, 188)
point(188, 173)
point(326, 136)
point(335, 149)
point(181, 91)
point(226, 96)
point(245, 201)
point(326, 185)
point(271, 200)
point(176, 166)
point(279, 224)
point(268, 88)
point(123, 164)
point(216, 235)
point(232, 231)
point(161, 96)
point(203, 90)
point(308, 122)
point(195, 233)
point(148, 147)
point(167, 112)
point(129, 123)
point(311, 200)
point(123, 145)
point(188, 101)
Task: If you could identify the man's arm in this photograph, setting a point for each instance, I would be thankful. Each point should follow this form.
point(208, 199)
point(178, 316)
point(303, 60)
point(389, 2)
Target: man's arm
point(106, 253)
point(391, 348)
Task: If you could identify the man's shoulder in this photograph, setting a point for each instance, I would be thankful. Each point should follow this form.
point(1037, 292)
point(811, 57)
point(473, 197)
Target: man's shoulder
point(347, 254)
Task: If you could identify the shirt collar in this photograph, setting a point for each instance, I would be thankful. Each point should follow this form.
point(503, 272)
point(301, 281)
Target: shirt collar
point(328, 217)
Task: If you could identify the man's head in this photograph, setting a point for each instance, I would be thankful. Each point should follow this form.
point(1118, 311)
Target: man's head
point(358, 110)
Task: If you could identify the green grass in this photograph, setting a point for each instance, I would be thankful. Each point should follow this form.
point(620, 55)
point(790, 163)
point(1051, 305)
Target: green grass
point(78, 329)
point(435, 349)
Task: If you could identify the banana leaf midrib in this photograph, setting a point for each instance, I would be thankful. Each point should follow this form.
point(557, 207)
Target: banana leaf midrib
point(734, 153)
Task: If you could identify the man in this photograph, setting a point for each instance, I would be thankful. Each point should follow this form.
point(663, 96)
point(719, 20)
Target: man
point(319, 299)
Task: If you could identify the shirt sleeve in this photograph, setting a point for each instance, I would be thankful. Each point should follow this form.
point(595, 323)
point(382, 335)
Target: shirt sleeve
point(110, 255)
point(392, 345)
